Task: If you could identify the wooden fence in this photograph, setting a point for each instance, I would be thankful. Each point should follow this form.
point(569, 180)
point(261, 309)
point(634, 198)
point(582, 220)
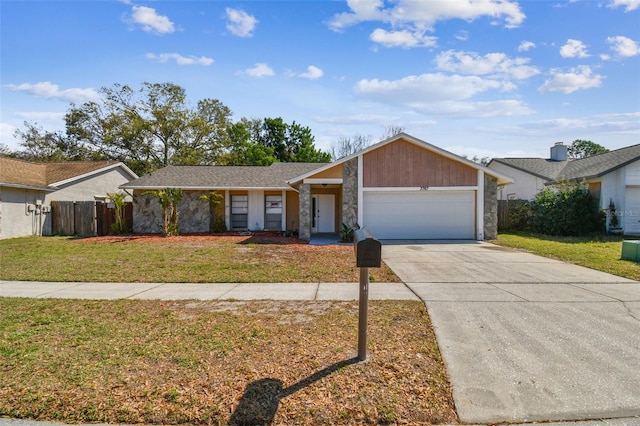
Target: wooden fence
point(86, 218)
point(503, 215)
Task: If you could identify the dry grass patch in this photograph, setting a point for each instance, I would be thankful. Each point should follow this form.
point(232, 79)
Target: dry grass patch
point(219, 363)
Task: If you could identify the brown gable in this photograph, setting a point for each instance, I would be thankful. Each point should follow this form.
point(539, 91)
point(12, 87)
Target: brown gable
point(404, 164)
point(18, 172)
point(57, 172)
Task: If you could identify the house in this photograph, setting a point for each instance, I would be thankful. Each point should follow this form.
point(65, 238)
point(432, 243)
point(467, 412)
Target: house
point(612, 176)
point(399, 188)
point(27, 189)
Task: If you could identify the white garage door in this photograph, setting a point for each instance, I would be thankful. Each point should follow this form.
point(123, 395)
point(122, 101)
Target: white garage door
point(420, 215)
point(632, 211)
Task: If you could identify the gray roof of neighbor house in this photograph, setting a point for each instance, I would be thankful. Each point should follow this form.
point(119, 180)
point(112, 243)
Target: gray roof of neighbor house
point(21, 173)
point(583, 168)
point(274, 176)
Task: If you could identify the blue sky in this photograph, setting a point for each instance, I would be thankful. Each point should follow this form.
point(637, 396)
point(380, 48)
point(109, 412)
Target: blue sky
point(485, 77)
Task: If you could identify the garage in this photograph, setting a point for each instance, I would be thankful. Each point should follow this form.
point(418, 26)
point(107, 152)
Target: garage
point(430, 214)
point(632, 211)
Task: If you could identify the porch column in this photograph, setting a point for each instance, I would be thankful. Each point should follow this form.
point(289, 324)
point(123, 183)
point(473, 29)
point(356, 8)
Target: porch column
point(304, 233)
point(480, 207)
point(350, 192)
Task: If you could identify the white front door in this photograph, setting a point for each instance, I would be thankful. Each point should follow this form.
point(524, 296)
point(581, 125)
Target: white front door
point(323, 213)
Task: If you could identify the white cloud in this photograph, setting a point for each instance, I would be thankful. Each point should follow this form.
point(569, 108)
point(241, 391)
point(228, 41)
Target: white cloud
point(48, 90)
point(356, 119)
point(439, 94)
point(578, 78)
point(180, 60)
point(429, 87)
point(422, 15)
point(6, 135)
point(574, 49)
point(629, 5)
point(313, 73)
point(260, 70)
point(491, 64)
point(150, 20)
point(240, 22)
point(462, 35)
point(623, 46)
point(526, 46)
point(403, 38)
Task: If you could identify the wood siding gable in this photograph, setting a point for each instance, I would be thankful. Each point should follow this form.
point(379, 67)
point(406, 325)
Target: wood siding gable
point(404, 164)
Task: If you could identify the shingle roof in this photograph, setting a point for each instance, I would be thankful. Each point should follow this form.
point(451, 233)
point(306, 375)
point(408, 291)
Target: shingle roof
point(20, 172)
point(583, 168)
point(219, 177)
point(545, 169)
point(45, 175)
point(598, 165)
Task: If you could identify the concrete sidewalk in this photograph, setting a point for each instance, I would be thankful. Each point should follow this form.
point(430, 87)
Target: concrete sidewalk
point(186, 291)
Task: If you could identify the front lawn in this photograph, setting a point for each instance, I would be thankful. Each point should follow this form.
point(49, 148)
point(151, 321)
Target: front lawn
point(214, 362)
point(601, 253)
point(192, 259)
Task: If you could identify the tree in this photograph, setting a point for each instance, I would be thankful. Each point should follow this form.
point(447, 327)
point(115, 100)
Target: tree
point(119, 226)
point(289, 142)
point(152, 127)
point(168, 199)
point(582, 148)
point(40, 145)
point(484, 161)
point(391, 131)
point(349, 145)
point(244, 150)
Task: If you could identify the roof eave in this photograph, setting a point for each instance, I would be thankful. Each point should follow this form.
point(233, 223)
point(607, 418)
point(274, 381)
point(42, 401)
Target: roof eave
point(30, 187)
point(207, 188)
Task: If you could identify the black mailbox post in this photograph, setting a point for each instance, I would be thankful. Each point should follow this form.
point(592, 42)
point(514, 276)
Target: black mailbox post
point(368, 255)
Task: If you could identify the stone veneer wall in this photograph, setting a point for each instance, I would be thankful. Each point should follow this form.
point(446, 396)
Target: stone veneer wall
point(350, 192)
point(490, 207)
point(304, 192)
point(193, 214)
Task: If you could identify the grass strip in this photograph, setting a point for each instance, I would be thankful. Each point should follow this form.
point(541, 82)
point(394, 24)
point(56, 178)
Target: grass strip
point(189, 259)
point(602, 253)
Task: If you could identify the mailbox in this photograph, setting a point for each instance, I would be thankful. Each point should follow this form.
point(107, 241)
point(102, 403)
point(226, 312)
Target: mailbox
point(368, 249)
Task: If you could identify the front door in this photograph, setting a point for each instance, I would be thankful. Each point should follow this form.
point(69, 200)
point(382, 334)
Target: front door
point(323, 218)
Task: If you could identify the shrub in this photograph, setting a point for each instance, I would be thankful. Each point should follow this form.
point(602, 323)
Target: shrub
point(569, 210)
point(519, 215)
point(347, 232)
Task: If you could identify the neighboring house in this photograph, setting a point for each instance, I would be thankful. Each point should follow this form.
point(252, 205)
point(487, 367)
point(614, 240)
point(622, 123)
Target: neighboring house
point(26, 190)
point(612, 176)
point(399, 188)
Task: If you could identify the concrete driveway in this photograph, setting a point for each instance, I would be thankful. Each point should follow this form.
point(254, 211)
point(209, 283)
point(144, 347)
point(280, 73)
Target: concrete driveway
point(527, 338)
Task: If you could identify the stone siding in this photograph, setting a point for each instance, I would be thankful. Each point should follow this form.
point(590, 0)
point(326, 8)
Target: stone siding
point(305, 212)
point(490, 207)
point(350, 192)
point(193, 214)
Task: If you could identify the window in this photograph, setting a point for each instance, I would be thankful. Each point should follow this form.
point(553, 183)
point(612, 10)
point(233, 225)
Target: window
point(239, 211)
point(273, 212)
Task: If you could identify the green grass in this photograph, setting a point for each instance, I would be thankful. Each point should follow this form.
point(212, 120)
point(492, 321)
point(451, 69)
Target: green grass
point(208, 362)
point(601, 253)
point(177, 259)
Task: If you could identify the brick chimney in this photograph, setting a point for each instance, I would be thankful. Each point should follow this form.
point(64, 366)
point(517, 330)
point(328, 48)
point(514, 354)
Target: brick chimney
point(559, 152)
